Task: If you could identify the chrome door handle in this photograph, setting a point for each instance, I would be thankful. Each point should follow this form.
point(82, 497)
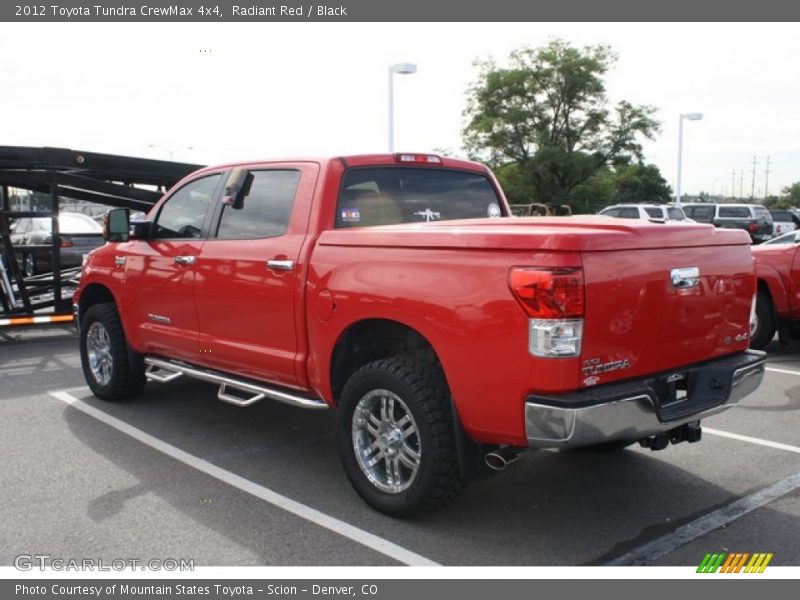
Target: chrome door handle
point(280, 265)
point(185, 260)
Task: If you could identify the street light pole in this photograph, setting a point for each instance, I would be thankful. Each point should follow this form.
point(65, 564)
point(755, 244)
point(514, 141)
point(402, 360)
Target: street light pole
point(691, 117)
point(403, 69)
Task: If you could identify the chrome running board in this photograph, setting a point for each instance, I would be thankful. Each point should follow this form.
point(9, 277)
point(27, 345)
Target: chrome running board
point(163, 371)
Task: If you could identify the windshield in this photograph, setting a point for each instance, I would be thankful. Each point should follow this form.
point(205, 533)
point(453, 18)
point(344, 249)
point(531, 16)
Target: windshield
point(390, 195)
point(786, 238)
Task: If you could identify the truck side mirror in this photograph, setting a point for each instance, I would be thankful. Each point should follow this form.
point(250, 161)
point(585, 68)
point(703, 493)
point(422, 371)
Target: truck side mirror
point(116, 226)
point(237, 188)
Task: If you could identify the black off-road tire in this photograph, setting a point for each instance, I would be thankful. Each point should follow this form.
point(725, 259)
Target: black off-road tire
point(127, 367)
point(424, 392)
point(766, 326)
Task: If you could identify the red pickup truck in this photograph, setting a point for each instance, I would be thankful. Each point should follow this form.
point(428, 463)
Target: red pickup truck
point(449, 338)
point(778, 300)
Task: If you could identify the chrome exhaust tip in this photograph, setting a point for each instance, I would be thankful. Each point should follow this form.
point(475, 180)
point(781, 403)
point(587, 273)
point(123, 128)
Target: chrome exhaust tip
point(499, 459)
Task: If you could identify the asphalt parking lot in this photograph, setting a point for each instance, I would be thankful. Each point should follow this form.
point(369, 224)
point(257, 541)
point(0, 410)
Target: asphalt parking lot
point(178, 474)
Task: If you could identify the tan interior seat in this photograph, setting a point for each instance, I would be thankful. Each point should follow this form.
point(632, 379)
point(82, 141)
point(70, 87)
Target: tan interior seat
point(373, 208)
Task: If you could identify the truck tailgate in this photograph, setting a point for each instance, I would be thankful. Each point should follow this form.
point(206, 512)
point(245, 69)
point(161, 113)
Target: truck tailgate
point(640, 321)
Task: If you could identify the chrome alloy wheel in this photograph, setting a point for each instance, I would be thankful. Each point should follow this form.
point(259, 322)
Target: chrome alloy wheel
point(386, 441)
point(98, 349)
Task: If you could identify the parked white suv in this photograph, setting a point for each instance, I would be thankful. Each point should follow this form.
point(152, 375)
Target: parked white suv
point(661, 212)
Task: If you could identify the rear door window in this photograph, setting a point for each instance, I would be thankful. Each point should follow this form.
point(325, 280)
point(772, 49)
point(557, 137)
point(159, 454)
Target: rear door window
point(653, 212)
point(389, 195)
point(266, 209)
point(629, 213)
point(734, 212)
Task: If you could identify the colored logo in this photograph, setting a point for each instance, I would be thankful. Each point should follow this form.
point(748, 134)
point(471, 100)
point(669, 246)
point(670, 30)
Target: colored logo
point(737, 562)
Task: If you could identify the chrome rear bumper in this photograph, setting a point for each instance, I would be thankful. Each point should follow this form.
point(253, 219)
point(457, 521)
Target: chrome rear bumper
point(635, 410)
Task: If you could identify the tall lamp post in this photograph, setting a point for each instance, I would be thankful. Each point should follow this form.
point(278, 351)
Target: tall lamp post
point(690, 117)
point(402, 69)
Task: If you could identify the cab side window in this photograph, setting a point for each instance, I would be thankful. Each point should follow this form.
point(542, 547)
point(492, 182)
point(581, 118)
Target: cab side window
point(183, 213)
point(654, 213)
point(734, 212)
point(265, 210)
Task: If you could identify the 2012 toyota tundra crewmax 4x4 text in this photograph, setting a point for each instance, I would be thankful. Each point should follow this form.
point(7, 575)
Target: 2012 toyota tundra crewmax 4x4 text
point(448, 334)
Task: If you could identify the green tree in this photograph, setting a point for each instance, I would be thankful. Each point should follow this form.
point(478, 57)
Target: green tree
point(547, 113)
point(640, 183)
point(515, 183)
point(595, 193)
point(791, 195)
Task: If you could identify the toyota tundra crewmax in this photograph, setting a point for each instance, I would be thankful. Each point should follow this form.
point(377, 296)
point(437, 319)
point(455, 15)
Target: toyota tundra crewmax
point(449, 335)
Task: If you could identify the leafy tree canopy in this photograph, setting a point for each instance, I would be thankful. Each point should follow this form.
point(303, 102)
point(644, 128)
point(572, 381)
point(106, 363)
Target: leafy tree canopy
point(547, 114)
point(791, 195)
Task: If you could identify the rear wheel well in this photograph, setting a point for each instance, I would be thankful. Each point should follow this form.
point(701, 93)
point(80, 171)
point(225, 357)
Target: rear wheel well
point(380, 339)
point(376, 339)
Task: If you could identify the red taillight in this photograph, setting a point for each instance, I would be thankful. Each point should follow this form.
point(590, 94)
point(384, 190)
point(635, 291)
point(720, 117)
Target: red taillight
point(547, 293)
point(65, 242)
point(752, 228)
point(426, 159)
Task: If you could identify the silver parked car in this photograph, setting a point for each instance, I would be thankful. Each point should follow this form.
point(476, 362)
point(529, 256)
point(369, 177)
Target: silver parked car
point(78, 234)
point(659, 212)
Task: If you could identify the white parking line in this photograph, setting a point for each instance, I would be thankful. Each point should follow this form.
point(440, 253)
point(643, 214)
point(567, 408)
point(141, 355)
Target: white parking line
point(752, 440)
point(647, 553)
point(333, 524)
point(786, 371)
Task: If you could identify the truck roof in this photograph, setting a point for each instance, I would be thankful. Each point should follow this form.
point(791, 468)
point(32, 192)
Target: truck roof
point(418, 159)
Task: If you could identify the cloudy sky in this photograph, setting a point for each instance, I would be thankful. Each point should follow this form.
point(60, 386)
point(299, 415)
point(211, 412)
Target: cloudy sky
point(237, 91)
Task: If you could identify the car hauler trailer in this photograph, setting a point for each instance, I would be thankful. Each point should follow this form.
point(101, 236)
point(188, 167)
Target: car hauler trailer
point(58, 174)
